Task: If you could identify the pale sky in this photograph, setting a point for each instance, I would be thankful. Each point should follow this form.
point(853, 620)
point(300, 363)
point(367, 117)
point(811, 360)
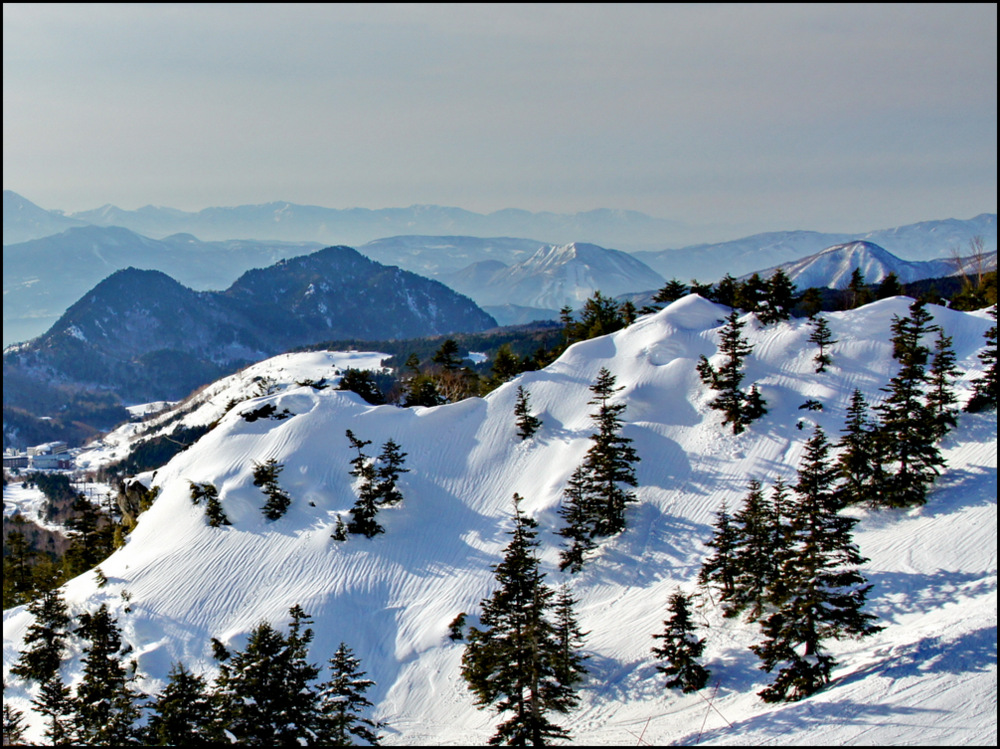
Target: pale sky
point(825, 117)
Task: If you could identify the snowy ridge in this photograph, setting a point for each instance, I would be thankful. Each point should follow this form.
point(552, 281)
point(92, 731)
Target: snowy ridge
point(929, 677)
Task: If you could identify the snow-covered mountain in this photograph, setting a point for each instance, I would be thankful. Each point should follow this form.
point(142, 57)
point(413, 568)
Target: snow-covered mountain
point(929, 677)
point(832, 268)
point(434, 256)
point(555, 276)
point(23, 220)
point(928, 240)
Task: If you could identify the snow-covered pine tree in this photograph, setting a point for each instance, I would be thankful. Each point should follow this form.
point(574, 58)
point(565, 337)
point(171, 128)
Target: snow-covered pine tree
point(527, 423)
point(822, 337)
point(820, 593)
point(107, 704)
point(908, 435)
point(265, 475)
point(984, 389)
point(726, 380)
point(213, 506)
point(513, 662)
point(779, 298)
point(595, 499)
point(720, 570)
point(342, 702)
point(54, 702)
point(184, 713)
point(757, 536)
point(681, 649)
point(45, 638)
point(941, 398)
point(13, 726)
point(390, 465)
point(858, 461)
point(366, 506)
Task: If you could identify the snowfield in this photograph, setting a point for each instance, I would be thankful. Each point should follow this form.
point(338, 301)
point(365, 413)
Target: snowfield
point(928, 678)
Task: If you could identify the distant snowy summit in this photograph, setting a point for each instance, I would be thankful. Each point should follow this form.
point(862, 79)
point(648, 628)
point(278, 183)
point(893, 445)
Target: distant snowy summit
point(832, 268)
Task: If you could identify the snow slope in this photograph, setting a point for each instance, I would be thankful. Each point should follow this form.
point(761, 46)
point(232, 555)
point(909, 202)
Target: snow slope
point(929, 677)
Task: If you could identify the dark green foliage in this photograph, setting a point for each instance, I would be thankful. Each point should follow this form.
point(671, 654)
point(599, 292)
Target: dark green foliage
point(422, 391)
point(595, 500)
point(342, 700)
point(984, 394)
point(527, 423)
point(45, 638)
point(213, 505)
point(184, 714)
point(515, 662)
point(750, 294)
point(720, 570)
point(107, 705)
point(821, 337)
point(364, 383)
point(890, 286)
point(447, 356)
point(93, 538)
point(18, 580)
point(265, 475)
point(13, 726)
point(908, 434)
point(779, 298)
point(266, 692)
point(671, 292)
point(941, 398)
point(378, 484)
point(738, 408)
point(819, 592)
point(506, 366)
point(681, 649)
point(266, 411)
point(757, 534)
point(725, 291)
point(859, 464)
point(150, 454)
point(55, 703)
point(456, 628)
point(858, 294)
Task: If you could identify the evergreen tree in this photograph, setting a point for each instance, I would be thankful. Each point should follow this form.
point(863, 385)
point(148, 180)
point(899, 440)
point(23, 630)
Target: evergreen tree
point(779, 298)
point(265, 691)
point(13, 726)
point(738, 408)
point(671, 292)
point(821, 337)
point(106, 702)
point(184, 714)
point(390, 465)
point(18, 580)
point(858, 462)
point(595, 499)
point(941, 398)
point(366, 506)
point(447, 356)
point(757, 536)
point(45, 638)
point(54, 702)
point(506, 366)
point(342, 700)
point(725, 291)
point(93, 537)
point(720, 569)
point(908, 435)
point(984, 389)
point(514, 663)
point(569, 666)
point(527, 424)
point(819, 593)
point(265, 475)
point(362, 382)
point(213, 506)
point(858, 294)
point(811, 301)
point(681, 649)
point(750, 294)
point(889, 287)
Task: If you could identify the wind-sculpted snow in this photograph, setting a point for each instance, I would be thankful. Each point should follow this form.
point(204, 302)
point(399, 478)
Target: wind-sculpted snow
point(929, 677)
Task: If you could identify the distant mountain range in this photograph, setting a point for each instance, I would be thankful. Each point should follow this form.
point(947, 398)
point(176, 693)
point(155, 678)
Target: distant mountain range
point(832, 268)
point(354, 226)
point(146, 337)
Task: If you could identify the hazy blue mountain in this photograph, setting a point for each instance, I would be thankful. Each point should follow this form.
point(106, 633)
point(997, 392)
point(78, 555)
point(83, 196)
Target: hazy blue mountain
point(23, 220)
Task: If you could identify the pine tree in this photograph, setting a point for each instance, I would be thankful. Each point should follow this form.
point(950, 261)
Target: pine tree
point(18, 581)
point(819, 593)
point(907, 436)
point(213, 506)
point(757, 536)
point(184, 713)
point(569, 667)
point(45, 638)
point(751, 294)
point(737, 408)
point(858, 294)
point(106, 702)
point(265, 691)
point(858, 462)
point(779, 298)
point(595, 500)
point(265, 475)
point(681, 649)
point(941, 398)
point(13, 726)
point(720, 569)
point(984, 389)
point(342, 700)
point(527, 424)
point(390, 465)
point(55, 703)
point(513, 663)
point(889, 287)
point(821, 337)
